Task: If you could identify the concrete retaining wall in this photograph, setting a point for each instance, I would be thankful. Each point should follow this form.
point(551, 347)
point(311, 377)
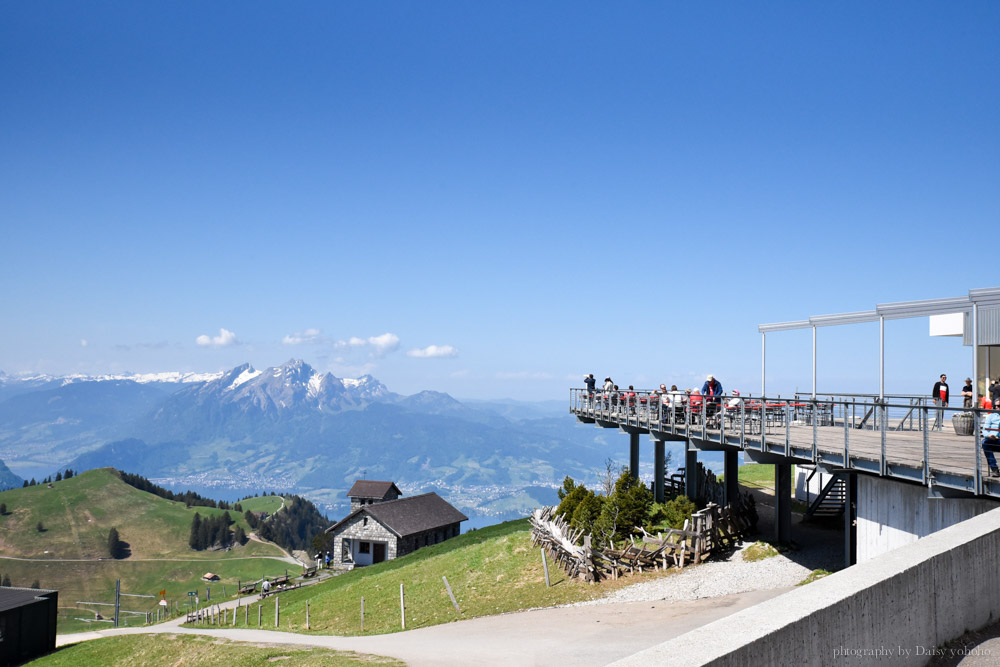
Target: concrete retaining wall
point(894, 609)
point(892, 514)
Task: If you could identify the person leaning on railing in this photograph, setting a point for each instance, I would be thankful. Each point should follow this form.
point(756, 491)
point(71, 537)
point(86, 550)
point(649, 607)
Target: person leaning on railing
point(991, 440)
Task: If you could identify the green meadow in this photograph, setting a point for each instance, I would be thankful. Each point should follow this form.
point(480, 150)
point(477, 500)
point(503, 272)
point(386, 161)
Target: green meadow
point(70, 553)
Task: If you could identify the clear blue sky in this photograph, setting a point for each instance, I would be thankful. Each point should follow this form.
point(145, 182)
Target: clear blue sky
point(539, 190)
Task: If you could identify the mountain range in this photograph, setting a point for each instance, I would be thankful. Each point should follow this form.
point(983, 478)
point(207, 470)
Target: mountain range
point(292, 428)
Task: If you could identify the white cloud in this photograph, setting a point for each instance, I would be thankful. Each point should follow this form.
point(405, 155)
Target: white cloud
point(523, 375)
point(83, 342)
point(307, 336)
point(385, 343)
point(224, 339)
point(432, 351)
point(380, 345)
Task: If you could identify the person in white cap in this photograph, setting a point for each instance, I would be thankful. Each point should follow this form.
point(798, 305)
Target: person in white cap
point(712, 391)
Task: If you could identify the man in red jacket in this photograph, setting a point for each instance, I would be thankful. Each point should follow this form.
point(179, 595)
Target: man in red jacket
point(940, 395)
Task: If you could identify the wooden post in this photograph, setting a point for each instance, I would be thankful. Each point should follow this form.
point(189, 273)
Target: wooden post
point(246, 616)
point(259, 606)
point(362, 613)
point(307, 614)
point(225, 616)
point(402, 606)
point(545, 564)
point(275, 611)
point(451, 595)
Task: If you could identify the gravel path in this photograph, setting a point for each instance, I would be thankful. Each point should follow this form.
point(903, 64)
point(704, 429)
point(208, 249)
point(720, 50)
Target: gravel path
point(714, 579)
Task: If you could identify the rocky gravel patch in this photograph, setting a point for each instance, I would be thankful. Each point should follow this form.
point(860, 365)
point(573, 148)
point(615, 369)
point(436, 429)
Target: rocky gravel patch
point(817, 548)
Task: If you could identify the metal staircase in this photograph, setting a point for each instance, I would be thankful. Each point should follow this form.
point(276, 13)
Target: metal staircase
point(830, 502)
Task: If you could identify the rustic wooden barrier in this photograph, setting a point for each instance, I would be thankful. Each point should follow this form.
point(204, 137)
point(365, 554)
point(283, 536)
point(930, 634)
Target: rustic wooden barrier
point(708, 531)
point(554, 534)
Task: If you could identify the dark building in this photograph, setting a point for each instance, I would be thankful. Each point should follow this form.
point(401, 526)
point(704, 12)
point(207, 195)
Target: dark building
point(27, 624)
point(369, 491)
point(383, 530)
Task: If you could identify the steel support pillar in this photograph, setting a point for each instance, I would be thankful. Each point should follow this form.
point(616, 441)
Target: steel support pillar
point(851, 520)
point(659, 469)
point(732, 472)
point(691, 473)
point(633, 455)
point(783, 502)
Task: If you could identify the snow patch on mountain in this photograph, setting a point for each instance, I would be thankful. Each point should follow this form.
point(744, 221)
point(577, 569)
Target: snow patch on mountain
point(244, 377)
point(175, 377)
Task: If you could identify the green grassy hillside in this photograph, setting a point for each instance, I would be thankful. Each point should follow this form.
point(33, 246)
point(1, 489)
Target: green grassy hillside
point(77, 514)
point(70, 554)
point(491, 571)
point(193, 651)
point(269, 504)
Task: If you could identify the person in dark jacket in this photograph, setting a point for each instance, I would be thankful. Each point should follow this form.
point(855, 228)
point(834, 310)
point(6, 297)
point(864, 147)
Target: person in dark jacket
point(591, 386)
point(940, 395)
point(712, 391)
point(967, 394)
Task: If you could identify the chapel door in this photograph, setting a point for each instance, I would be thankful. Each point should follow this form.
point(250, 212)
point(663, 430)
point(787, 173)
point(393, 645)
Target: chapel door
point(378, 552)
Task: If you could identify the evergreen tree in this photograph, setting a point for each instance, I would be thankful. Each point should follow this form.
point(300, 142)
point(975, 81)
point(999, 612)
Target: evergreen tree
point(6, 581)
point(25, 485)
point(567, 488)
point(572, 498)
point(239, 535)
point(206, 534)
point(624, 510)
point(194, 539)
point(115, 547)
point(58, 476)
point(587, 511)
point(3, 509)
point(40, 528)
point(36, 584)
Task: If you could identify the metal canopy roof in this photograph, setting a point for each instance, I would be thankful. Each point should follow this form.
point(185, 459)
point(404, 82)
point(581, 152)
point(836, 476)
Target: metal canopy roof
point(844, 318)
point(925, 308)
point(783, 326)
point(989, 296)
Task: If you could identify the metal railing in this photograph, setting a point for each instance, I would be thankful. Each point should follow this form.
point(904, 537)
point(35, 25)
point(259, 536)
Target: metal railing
point(907, 439)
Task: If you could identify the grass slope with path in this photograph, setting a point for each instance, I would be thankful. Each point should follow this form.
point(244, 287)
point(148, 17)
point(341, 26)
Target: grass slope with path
point(197, 651)
point(70, 554)
point(491, 571)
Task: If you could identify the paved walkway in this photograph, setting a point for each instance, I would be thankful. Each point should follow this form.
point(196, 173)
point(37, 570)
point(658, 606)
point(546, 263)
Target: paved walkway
point(589, 635)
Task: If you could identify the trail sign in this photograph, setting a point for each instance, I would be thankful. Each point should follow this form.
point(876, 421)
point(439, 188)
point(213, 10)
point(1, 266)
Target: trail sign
point(163, 593)
point(192, 593)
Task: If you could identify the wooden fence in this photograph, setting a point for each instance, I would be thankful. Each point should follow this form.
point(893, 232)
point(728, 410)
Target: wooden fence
point(708, 531)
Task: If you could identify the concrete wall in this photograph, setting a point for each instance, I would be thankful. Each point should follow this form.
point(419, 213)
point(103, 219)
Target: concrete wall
point(893, 514)
point(894, 609)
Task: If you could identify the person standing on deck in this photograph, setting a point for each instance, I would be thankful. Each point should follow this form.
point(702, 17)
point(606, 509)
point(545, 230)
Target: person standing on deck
point(591, 386)
point(967, 394)
point(991, 441)
point(940, 395)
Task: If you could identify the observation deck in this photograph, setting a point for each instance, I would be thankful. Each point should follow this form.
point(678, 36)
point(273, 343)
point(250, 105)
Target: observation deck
point(892, 437)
